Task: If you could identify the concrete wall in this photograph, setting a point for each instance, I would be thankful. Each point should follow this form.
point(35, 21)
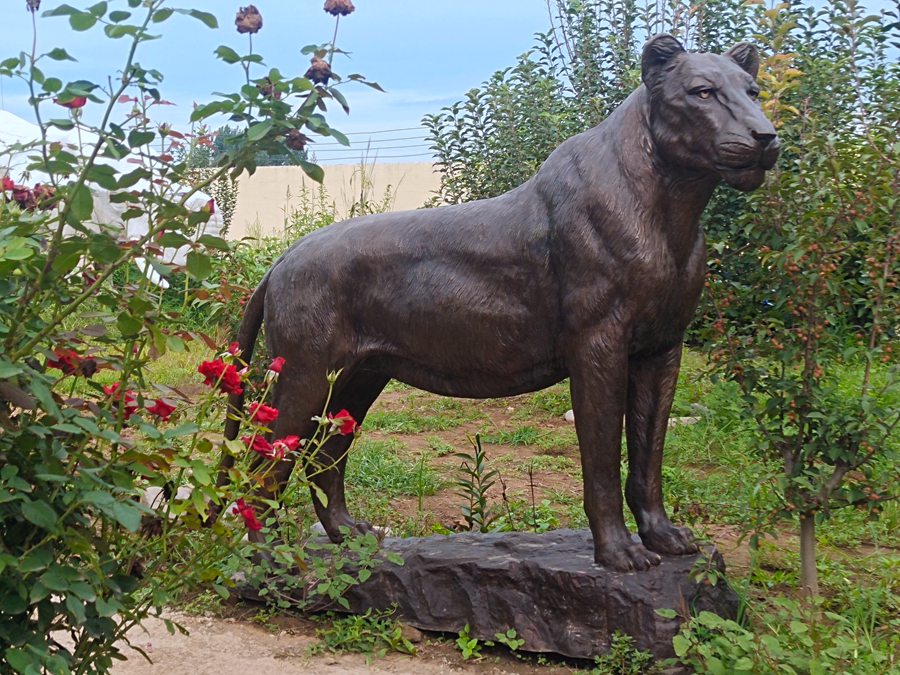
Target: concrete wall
point(267, 198)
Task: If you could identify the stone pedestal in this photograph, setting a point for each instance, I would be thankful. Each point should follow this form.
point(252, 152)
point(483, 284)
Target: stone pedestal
point(546, 586)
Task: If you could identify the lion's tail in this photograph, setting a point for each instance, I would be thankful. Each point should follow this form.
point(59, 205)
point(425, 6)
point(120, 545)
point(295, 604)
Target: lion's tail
point(246, 339)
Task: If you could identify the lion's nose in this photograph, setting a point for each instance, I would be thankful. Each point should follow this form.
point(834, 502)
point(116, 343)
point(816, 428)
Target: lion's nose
point(762, 138)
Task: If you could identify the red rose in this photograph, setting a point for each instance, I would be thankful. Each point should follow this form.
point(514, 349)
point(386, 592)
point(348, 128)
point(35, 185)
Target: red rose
point(234, 349)
point(262, 414)
point(72, 103)
point(277, 364)
point(344, 422)
point(67, 360)
point(161, 409)
point(245, 511)
point(112, 392)
point(217, 373)
point(259, 445)
point(285, 445)
point(8, 183)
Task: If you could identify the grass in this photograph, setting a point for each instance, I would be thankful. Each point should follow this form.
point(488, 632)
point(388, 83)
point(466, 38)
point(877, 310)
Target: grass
point(375, 466)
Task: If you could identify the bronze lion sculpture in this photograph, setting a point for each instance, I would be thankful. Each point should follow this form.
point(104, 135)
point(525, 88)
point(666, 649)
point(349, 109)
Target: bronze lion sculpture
point(590, 270)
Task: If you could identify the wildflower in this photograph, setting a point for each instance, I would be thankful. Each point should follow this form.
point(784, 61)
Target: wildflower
point(343, 422)
point(262, 414)
point(113, 392)
point(248, 20)
point(245, 511)
point(161, 409)
point(277, 364)
point(320, 71)
point(339, 7)
point(225, 376)
point(72, 103)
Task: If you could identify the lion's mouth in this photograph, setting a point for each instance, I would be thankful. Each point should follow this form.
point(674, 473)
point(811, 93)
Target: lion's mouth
point(734, 157)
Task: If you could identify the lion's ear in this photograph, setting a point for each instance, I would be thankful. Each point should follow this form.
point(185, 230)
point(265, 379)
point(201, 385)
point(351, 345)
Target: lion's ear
point(746, 56)
point(658, 51)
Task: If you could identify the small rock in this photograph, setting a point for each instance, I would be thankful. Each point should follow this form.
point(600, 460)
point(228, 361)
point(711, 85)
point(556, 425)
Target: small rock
point(184, 492)
point(682, 421)
point(569, 416)
point(414, 635)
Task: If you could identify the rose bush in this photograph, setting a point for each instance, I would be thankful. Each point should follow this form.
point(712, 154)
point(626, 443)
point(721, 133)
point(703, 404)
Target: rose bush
point(85, 430)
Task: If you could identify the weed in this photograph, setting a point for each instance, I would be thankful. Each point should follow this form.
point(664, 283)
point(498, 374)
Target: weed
point(474, 481)
point(441, 448)
point(624, 659)
point(469, 647)
point(526, 435)
point(370, 633)
point(510, 639)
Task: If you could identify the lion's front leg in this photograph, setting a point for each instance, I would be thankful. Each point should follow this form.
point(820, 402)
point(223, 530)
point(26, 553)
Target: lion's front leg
point(598, 369)
point(651, 388)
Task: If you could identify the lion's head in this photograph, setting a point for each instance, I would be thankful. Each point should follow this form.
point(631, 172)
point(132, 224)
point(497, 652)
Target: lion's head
point(704, 112)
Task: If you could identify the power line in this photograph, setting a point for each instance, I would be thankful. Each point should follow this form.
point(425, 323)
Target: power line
point(382, 131)
point(362, 148)
point(377, 157)
point(378, 140)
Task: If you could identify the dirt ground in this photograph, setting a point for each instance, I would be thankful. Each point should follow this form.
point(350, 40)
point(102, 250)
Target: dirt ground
point(232, 646)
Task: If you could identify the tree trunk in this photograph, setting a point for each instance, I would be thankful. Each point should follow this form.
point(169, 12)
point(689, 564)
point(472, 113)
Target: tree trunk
point(809, 579)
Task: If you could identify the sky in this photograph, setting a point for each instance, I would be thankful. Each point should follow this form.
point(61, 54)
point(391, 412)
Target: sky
point(425, 54)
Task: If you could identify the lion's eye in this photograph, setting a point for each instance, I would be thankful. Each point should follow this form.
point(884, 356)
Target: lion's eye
point(754, 93)
point(704, 93)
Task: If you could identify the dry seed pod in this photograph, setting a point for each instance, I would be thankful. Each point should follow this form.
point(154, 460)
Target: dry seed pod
point(320, 71)
point(248, 20)
point(339, 7)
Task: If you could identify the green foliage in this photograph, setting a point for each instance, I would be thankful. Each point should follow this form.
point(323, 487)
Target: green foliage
point(623, 658)
point(793, 638)
point(576, 74)
point(816, 294)
point(375, 466)
point(369, 633)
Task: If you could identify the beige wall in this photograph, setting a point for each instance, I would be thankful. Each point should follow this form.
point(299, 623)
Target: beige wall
point(268, 197)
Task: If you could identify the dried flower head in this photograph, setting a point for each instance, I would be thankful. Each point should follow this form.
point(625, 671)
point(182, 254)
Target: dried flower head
point(33, 5)
point(320, 71)
point(295, 140)
point(339, 7)
point(248, 20)
point(267, 88)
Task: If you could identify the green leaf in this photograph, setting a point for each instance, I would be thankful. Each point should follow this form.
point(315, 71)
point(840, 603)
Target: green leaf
point(129, 325)
point(258, 131)
point(59, 54)
point(198, 265)
point(12, 603)
point(227, 54)
point(40, 513)
point(667, 613)
point(207, 18)
point(81, 202)
point(76, 608)
point(62, 10)
point(20, 660)
point(314, 171)
point(161, 15)
point(138, 138)
point(211, 241)
point(118, 16)
point(38, 559)
point(82, 21)
point(127, 515)
point(99, 9)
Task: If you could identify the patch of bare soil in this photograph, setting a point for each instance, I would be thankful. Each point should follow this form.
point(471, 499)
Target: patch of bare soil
point(230, 646)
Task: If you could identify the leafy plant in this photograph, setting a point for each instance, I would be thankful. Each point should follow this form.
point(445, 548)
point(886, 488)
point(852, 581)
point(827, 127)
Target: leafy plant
point(369, 633)
point(474, 480)
point(624, 659)
point(468, 646)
